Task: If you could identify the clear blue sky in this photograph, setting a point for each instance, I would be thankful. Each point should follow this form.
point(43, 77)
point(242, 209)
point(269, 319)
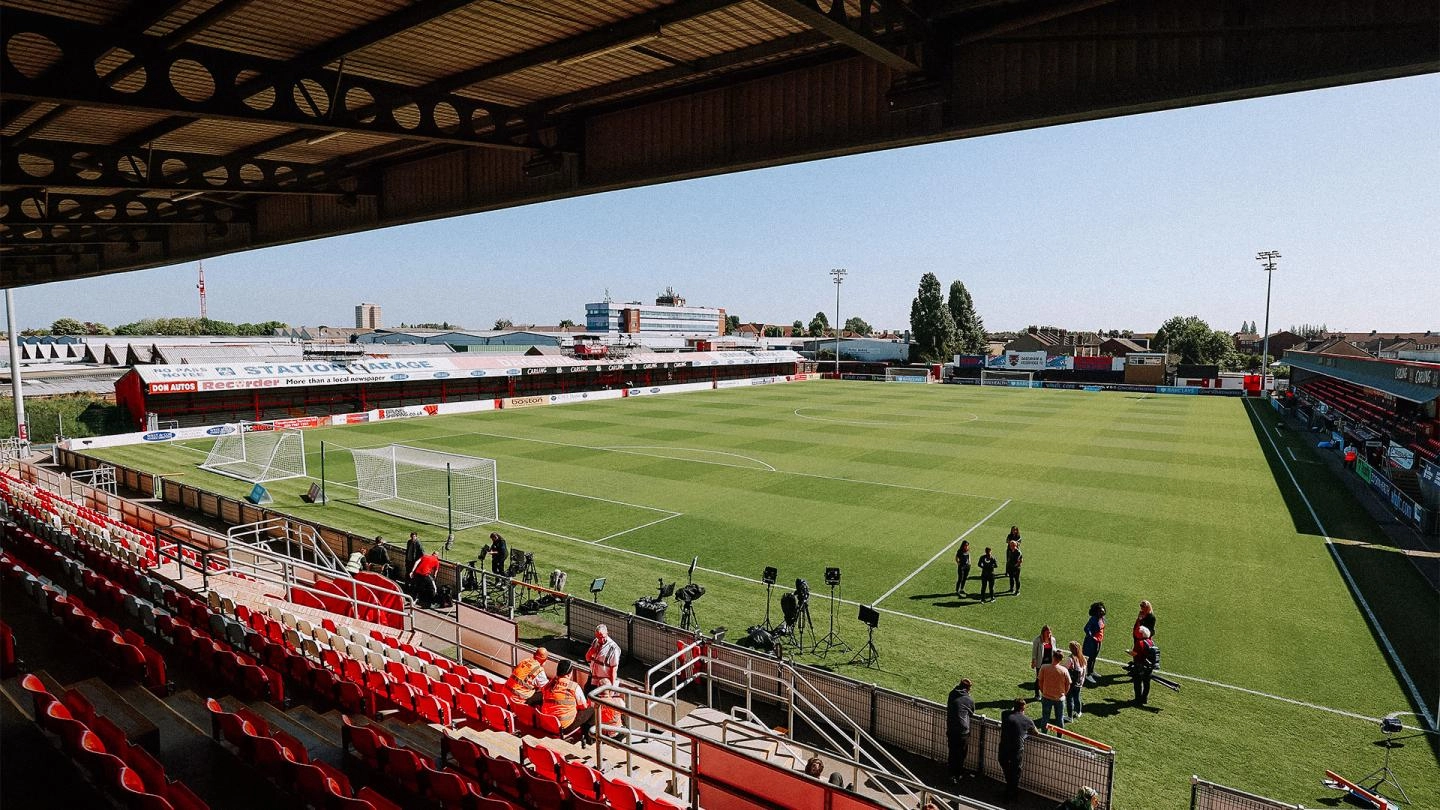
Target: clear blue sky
point(1109, 224)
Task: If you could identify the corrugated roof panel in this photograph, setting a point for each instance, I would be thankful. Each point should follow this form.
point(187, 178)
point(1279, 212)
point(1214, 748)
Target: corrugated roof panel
point(306, 23)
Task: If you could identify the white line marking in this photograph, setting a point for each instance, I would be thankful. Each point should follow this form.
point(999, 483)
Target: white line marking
point(997, 636)
point(947, 547)
point(868, 422)
point(634, 448)
point(1291, 450)
point(670, 516)
point(842, 479)
point(550, 534)
point(670, 512)
point(1354, 589)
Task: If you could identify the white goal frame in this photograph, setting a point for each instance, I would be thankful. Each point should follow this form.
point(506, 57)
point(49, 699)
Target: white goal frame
point(907, 374)
point(1006, 377)
point(430, 486)
point(258, 453)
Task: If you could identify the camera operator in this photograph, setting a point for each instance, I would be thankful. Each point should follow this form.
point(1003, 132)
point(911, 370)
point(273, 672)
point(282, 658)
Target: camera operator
point(501, 552)
point(422, 579)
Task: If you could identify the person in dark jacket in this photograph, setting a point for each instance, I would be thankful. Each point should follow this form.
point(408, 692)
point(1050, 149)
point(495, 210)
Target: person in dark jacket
point(413, 552)
point(500, 554)
point(1013, 559)
point(958, 711)
point(962, 566)
point(1094, 637)
point(987, 576)
point(1014, 728)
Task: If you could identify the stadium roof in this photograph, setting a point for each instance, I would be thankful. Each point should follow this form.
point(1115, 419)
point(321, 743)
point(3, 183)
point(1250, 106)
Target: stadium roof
point(1381, 375)
point(139, 134)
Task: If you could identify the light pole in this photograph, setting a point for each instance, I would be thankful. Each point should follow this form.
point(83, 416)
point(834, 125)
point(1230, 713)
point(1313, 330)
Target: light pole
point(839, 275)
point(1267, 259)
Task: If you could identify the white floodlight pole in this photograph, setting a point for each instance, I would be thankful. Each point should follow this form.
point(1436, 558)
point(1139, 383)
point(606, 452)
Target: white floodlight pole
point(839, 275)
point(21, 431)
point(1267, 258)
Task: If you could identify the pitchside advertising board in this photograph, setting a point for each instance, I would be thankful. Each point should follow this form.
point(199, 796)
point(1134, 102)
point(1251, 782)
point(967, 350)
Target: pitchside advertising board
point(190, 379)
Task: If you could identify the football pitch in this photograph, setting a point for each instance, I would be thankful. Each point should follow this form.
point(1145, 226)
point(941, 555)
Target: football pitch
point(1230, 527)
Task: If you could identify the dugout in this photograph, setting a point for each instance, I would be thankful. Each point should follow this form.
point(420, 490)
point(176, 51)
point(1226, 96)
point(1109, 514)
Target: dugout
point(193, 395)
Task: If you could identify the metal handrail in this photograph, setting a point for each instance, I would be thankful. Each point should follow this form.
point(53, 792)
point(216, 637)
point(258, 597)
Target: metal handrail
point(650, 685)
point(755, 724)
point(874, 767)
point(301, 535)
point(286, 577)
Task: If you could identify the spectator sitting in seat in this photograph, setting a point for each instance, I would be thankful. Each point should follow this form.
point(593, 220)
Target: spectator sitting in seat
point(564, 700)
point(528, 678)
point(422, 579)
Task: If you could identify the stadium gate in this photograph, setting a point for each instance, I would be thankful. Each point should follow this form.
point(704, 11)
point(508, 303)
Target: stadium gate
point(1210, 796)
point(1055, 768)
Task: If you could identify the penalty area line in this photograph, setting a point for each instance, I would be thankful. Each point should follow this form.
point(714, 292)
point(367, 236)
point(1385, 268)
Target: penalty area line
point(947, 547)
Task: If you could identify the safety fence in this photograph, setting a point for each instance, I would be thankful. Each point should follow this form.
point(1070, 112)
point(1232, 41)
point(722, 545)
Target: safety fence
point(1054, 768)
point(1210, 796)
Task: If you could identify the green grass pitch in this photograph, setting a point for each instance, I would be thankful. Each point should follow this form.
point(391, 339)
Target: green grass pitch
point(1121, 497)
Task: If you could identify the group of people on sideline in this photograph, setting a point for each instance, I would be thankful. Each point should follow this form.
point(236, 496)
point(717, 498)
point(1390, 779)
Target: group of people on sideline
point(988, 564)
point(1060, 676)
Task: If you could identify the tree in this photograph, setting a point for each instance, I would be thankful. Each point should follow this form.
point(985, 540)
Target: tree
point(732, 322)
point(819, 324)
point(566, 322)
point(774, 331)
point(503, 323)
point(969, 327)
point(797, 328)
point(67, 326)
point(931, 325)
point(1193, 341)
point(95, 328)
point(858, 326)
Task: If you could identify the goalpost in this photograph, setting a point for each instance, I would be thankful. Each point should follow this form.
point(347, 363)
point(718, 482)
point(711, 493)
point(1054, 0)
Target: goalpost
point(907, 374)
point(257, 453)
point(429, 486)
point(1007, 378)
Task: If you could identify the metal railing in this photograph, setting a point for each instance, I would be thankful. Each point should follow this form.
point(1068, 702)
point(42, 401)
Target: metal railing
point(1206, 795)
point(299, 539)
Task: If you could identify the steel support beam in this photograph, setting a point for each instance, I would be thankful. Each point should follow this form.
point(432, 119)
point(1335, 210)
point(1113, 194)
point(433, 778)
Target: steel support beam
point(78, 234)
point(35, 207)
point(199, 82)
point(86, 166)
point(855, 34)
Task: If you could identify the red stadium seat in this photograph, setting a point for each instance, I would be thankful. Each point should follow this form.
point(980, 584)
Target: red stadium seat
point(468, 756)
point(542, 761)
point(541, 793)
point(402, 769)
point(503, 776)
point(620, 795)
point(582, 780)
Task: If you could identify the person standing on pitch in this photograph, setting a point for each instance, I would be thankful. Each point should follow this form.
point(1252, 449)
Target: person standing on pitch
point(987, 576)
point(1014, 728)
point(1145, 620)
point(958, 711)
point(1094, 635)
point(1075, 665)
point(1013, 536)
point(962, 564)
point(1042, 649)
point(500, 554)
point(1146, 660)
point(1013, 559)
point(1053, 681)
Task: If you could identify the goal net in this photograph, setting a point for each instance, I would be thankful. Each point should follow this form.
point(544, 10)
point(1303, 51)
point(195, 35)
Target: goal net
point(442, 489)
point(1007, 377)
point(257, 453)
point(907, 374)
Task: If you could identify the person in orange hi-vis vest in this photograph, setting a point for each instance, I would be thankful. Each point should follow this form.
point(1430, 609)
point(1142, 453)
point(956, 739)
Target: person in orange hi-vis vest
point(528, 677)
point(564, 700)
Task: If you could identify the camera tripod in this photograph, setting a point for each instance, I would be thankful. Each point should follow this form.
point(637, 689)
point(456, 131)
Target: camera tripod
point(769, 589)
point(1384, 774)
point(528, 573)
point(831, 640)
point(688, 619)
point(869, 655)
point(802, 623)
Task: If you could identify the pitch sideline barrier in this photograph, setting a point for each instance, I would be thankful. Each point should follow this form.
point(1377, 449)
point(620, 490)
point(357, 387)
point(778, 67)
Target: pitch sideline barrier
point(1205, 795)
